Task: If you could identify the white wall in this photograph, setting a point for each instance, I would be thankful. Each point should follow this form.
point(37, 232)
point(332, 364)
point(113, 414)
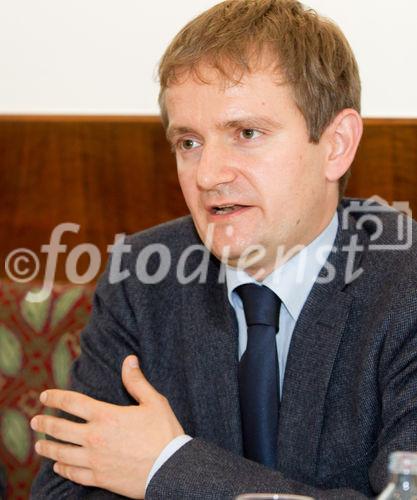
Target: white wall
point(99, 56)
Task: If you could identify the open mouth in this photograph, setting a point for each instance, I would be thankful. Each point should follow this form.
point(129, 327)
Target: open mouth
point(226, 209)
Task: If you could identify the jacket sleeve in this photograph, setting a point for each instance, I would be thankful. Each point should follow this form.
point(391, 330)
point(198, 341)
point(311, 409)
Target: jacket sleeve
point(200, 470)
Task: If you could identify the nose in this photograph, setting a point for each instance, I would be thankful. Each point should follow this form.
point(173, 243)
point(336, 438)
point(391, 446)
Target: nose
point(215, 167)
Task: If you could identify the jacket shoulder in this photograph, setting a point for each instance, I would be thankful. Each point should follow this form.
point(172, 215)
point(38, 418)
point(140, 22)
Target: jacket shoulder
point(176, 234)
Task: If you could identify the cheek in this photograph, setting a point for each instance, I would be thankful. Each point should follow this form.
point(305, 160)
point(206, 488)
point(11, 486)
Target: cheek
point(283, 184)
point(186, 183)
point(278, 178)
point(190, 193)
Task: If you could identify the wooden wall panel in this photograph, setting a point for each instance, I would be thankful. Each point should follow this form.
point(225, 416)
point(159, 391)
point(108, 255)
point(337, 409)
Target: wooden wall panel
point(109, 175)
point(386, 163)
point(116, 175)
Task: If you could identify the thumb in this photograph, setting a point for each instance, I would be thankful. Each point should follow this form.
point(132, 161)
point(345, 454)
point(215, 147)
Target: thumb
point(135, 382)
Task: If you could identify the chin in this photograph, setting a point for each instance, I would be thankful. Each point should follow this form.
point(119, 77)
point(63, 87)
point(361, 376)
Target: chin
point(235, 256)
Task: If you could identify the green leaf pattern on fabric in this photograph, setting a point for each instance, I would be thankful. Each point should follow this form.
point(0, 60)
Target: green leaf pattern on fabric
point(16, 434)
point(61, 363)
point(38, 342)
point(64, 303)
point(35, 313)
point(10, 352)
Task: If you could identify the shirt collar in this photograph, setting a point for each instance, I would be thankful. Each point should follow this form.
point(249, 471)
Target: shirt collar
point(292, 281)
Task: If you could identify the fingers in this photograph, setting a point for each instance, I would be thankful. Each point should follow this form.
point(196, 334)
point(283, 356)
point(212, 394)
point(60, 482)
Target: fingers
point(64, 453)
point(60, 428)
point(135, 382)
point(71, 402)
point(78, 475)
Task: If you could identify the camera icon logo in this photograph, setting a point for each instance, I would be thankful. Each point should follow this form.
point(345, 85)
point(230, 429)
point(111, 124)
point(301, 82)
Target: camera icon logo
point(379, 218)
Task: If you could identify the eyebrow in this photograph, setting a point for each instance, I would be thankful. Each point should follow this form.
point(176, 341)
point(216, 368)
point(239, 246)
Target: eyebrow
point(242, 122)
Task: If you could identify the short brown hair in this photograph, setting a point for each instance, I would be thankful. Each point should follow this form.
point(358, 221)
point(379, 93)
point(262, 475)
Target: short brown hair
point(311, 53)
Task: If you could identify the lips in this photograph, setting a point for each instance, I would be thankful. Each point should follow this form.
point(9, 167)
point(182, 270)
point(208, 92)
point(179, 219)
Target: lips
point(225, 209)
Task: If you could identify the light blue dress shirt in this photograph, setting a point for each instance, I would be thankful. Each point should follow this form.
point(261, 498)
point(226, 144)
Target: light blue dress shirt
point(292, 282)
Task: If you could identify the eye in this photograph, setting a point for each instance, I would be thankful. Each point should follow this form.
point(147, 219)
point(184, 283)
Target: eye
point(187, 144)
point(250, 133)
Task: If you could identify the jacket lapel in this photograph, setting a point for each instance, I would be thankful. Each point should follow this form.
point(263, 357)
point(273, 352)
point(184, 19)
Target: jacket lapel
point(210, 337)
point(314, 346)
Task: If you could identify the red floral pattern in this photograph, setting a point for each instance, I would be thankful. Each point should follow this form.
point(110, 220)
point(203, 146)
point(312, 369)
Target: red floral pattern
point(36, 343)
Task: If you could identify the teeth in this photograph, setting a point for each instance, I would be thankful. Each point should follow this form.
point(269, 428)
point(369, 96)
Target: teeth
point(225, 209)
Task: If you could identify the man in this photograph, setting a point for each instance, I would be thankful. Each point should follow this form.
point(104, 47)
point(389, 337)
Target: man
point(261, 104)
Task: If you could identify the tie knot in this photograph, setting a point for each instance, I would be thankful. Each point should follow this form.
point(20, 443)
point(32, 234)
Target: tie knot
point(261, 305)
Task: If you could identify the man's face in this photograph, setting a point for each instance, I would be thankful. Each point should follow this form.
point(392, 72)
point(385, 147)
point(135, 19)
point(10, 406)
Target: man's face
point(247, 170)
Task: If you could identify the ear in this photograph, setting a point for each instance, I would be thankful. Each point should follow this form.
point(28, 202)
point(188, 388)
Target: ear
point(342, 136)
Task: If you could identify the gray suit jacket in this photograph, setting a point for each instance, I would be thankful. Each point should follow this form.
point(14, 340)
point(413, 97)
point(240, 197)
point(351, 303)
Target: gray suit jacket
point(350, 388)
point(3, 486)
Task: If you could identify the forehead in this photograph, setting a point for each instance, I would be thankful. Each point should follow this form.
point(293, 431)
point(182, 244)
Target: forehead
point(191, 98)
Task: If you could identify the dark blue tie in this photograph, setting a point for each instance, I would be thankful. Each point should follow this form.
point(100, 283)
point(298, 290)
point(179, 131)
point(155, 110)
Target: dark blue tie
point(259, 374)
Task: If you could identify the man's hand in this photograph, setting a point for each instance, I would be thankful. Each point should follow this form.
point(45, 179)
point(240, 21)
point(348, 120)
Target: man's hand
point(117, 446)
